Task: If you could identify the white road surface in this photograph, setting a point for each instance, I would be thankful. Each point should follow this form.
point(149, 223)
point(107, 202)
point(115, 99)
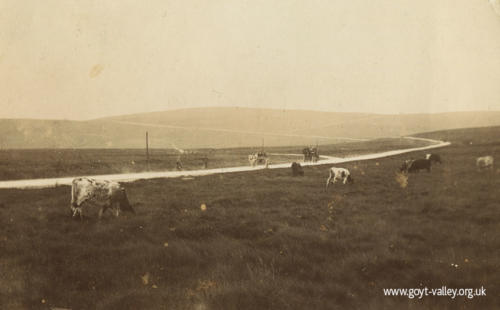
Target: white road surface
point(129, 177)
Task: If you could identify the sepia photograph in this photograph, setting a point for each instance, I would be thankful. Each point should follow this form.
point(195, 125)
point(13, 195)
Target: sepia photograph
point(249, 154)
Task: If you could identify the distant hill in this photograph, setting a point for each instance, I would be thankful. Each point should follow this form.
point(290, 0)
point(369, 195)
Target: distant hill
point(228, 127)
point(468, 136)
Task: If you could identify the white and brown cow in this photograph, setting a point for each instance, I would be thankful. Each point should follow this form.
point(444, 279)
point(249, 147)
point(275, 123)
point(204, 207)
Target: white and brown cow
point(484, 162)
point(339, 174)
point(102, 193)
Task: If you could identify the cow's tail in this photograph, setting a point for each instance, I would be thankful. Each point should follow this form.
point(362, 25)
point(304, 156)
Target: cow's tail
point(74, 194)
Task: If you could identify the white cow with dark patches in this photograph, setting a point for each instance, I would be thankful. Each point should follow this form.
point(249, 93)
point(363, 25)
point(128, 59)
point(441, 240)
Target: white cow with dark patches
point(339, 174)
point(102, 193)
point(484, 162)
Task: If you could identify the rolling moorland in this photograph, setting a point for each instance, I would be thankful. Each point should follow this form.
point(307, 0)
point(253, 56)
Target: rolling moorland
point(228, 128)
point(266, 240)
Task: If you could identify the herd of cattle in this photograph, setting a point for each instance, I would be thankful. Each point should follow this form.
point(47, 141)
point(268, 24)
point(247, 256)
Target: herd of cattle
point(111, 195)
point(408, 166)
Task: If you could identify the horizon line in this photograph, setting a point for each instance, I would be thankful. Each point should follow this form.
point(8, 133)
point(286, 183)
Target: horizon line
point(242, 107)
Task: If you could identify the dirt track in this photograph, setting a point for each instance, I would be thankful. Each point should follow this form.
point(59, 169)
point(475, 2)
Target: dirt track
point(129, 177)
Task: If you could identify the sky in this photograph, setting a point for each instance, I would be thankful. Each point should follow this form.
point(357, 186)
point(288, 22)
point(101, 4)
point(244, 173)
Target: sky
point(75, 59)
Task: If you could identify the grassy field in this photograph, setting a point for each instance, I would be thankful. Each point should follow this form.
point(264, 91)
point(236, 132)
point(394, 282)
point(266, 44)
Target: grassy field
point(265, 241)
point(46, 163)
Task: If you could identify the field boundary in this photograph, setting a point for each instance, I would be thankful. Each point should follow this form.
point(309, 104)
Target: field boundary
point(130, 177)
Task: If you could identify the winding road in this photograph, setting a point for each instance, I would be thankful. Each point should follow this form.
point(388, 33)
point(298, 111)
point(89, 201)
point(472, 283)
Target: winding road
point(129, 177)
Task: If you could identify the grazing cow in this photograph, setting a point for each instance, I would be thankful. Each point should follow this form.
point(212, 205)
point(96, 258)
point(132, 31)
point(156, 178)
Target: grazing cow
point(406, 164)
point(484, 162)
point(339, 174)
point(420, 164)
point(297, 169)
point(106, 194)
point(435, 158)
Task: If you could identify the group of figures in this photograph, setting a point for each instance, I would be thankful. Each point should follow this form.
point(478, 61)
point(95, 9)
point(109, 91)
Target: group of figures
point(259, 158)
point(311, 154)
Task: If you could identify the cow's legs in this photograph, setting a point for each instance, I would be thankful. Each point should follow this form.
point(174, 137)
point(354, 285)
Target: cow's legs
point(73, 206)
point(101, 211)
point(328, 180)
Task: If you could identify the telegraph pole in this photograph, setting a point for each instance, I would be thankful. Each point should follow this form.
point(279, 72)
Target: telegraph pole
point(147, 150)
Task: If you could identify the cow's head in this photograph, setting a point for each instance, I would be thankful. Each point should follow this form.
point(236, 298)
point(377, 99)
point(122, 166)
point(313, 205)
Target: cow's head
point(350, 179)
point(406, 165)
point(124, 203)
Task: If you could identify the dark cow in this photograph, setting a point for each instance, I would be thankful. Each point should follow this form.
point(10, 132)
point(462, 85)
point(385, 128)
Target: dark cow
point(435, 158)
point(420, 164)
point(103, 193)
point(297, 169)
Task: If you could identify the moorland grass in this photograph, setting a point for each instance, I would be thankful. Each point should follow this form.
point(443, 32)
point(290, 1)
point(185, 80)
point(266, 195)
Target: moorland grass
point(266, 241)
